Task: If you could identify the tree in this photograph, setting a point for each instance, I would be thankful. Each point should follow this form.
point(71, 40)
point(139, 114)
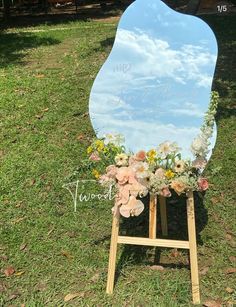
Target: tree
point(6, 9)
point(193, 6)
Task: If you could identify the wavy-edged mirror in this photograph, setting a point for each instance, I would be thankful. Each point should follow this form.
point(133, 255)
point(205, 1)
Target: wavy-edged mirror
point(156, 83)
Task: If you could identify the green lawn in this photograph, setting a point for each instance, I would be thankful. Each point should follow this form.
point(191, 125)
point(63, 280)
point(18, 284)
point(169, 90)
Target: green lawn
point(45, 81)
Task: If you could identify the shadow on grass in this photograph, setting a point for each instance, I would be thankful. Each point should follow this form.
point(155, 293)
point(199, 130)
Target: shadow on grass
point(105, 44)
point(14, 46)
point(55, 17)
point(226, 112)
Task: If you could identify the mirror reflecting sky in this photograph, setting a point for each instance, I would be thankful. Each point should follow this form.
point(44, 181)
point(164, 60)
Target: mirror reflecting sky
point(156, 83)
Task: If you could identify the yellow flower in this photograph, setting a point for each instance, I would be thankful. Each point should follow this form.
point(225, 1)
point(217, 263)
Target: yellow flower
point(89, 150)
point(151, 154)
point(95, 173)
point(169, 174)
point(99, 145)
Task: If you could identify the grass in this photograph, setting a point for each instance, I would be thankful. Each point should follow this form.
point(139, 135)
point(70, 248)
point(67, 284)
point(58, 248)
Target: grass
point(45, 81)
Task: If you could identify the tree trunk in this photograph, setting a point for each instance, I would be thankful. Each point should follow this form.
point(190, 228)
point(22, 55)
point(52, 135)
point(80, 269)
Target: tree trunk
point(6, 9)
point(193, 6)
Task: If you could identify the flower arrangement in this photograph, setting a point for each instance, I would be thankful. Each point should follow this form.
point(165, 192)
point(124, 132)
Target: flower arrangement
point(159, 171)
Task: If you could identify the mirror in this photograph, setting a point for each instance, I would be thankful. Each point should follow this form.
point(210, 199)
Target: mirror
point(156, 83)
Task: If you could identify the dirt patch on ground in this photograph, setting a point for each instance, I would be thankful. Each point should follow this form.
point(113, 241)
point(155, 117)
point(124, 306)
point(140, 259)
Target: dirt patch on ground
point(109, 19)
point(50, 59)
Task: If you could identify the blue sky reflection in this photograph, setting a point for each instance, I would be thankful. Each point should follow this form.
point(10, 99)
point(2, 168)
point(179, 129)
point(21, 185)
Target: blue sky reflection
point(155, 85)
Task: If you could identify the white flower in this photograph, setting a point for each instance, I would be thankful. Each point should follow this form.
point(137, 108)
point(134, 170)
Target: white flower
point(121, 159)
point(179, 166)
point(168, 147)
point(208, 132)
point(147, 180)
point(199, 146)
point(199, 163)
point(141, 169)
point(160, 173)
point(116, 139)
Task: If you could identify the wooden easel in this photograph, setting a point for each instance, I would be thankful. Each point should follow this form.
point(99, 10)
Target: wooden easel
point(153, 241)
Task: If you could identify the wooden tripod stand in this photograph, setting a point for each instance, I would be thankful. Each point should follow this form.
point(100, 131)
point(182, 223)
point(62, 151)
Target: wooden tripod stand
point(152, 241)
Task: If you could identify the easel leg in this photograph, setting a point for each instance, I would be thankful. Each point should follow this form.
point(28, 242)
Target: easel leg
point(164, 226)
point(193, 249)
point(152, 217)
point(113, 252)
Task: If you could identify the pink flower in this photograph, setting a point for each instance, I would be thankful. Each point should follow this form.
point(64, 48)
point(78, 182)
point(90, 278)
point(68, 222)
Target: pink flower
point(138, 189)
point(123, 194)
point(165, 192)
point(134, 207)
point(160, 173)
point(140, 156)
point(132, 160)
point(203, 184)
point(94, 157)
point(125, 175)
point(127, 190)
point(111, 171)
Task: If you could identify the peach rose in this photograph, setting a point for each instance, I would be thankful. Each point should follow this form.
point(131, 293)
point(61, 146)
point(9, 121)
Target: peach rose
point(179, 186)
point(203, 184)
point(140, 156)
point(125, 175)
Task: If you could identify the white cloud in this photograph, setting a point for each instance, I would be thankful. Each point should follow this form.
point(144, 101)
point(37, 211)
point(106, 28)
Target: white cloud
point(137, 58)
point(150, 63)
point(104, 103)
point(187, 109)
point(140, 134)
point(155, 57)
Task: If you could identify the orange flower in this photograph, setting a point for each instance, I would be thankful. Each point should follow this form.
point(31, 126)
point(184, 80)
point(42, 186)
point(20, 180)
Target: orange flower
point(179, 186)
point(140, 156)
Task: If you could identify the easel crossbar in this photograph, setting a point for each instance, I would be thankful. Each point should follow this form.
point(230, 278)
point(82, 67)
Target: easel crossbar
point(153, 242)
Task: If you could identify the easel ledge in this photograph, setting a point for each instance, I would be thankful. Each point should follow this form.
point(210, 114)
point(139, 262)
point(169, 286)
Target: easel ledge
point(153, 242)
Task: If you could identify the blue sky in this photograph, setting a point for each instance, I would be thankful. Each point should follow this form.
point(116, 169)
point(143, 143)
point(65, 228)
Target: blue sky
point(155, 85)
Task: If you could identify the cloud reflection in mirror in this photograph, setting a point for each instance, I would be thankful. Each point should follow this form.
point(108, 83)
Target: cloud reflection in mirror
point(156, 83)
